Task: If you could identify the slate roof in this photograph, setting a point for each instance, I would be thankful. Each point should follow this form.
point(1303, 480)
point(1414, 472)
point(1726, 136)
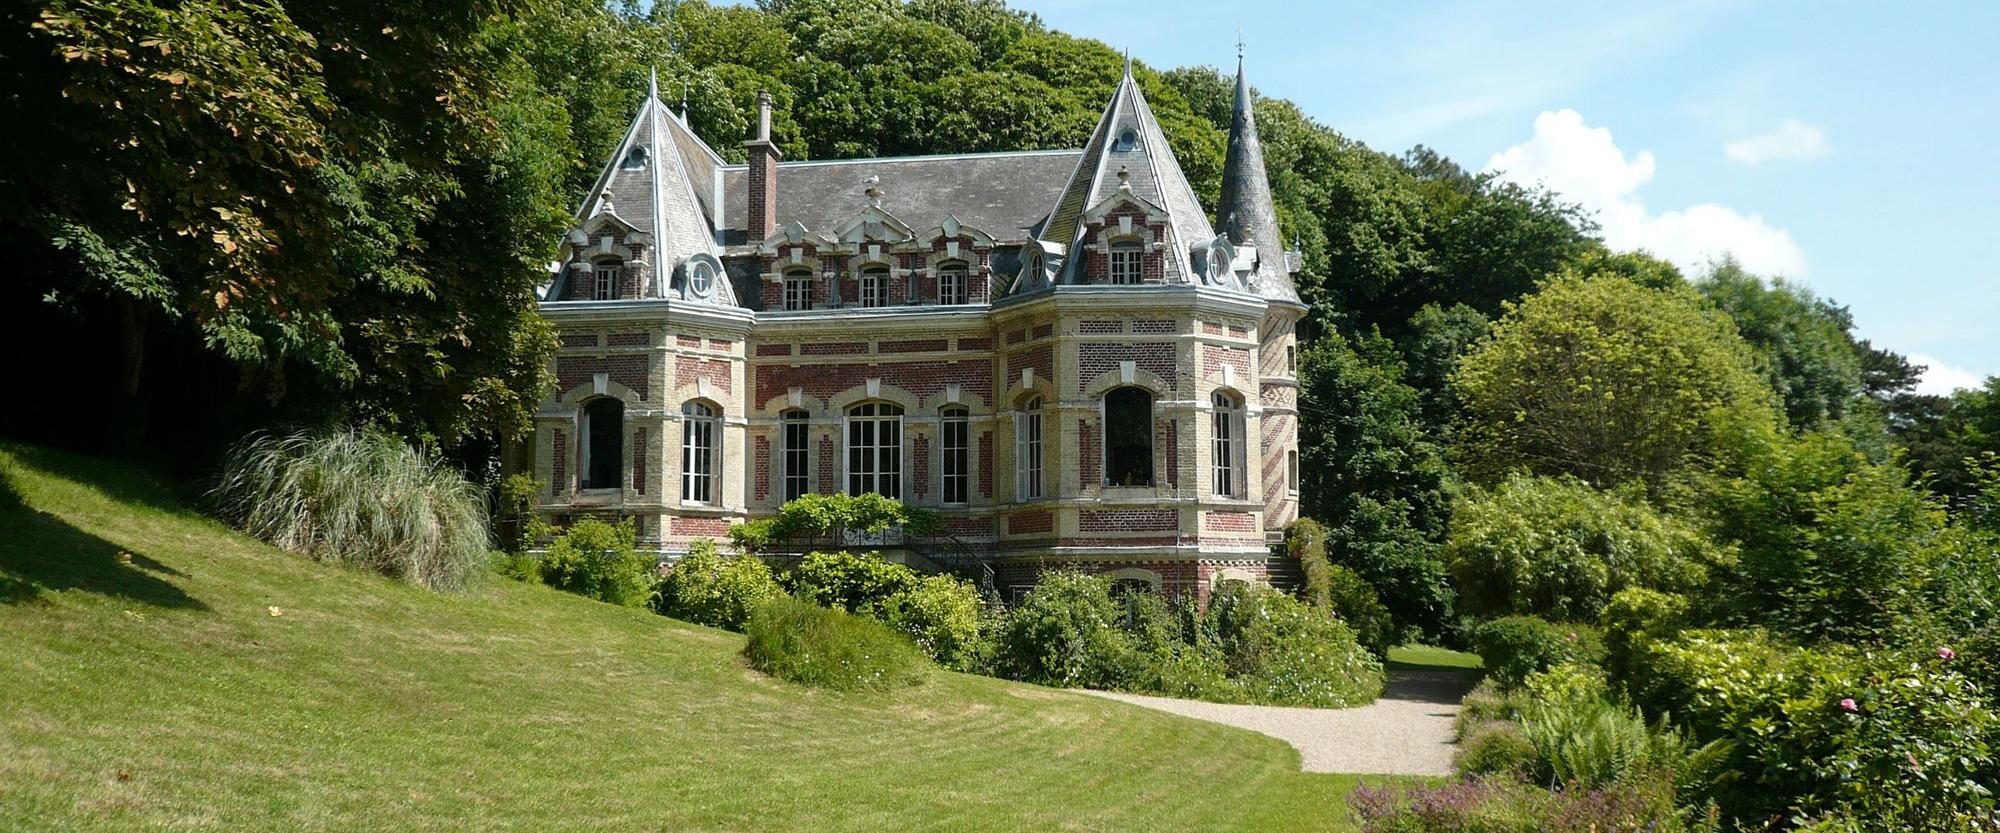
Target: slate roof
point(1247, 213)
point(1003, 194)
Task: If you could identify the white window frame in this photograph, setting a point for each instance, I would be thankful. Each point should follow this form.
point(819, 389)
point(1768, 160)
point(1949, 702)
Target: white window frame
point(798, 289)
point(874, 286)
point(882, 457)
point(955, 450)
point(1127, 262)
point(605, 284)
point(794, 455)
point(1028, 440)
point(1227, 444)
point(954, 284)
point(1292, 470)
point(701, 446)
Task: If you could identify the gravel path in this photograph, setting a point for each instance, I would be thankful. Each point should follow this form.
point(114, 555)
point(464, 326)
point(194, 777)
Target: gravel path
point(1407, 731)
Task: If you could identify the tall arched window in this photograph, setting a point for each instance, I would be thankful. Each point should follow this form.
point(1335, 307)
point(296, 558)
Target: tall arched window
point(795, 455)
point(699, 433)
point(799, 289)
point(875, 449)
point(953, 435)
point(1227, 429)
point(952, 288)
point(1028, 450)
point(875, 286)
point(1128, 437)
point(1126, 262)
point(603, 433)
point(605, 285)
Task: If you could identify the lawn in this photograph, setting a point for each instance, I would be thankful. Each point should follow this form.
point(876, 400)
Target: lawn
point(158, 671)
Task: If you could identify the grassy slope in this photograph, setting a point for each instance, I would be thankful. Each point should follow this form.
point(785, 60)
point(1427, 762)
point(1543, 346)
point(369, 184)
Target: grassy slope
point(165, 694)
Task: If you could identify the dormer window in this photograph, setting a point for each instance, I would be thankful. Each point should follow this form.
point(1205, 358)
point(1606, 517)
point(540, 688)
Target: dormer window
point(635, 158)
point(1127, 140)
point(1125, 262)
point(701, 279)
point(798, 289)
point(951, 284)
point(605, 288)
point(875, 286)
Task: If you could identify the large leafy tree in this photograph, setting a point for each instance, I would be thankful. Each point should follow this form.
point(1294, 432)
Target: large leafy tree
point(1607, 381)
point(1802, 342)
point(1374, 478)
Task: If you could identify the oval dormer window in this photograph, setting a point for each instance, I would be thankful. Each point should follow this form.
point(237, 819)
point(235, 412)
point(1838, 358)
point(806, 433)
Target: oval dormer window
point(635, 158)
point(701, 279)
point(1127, 140)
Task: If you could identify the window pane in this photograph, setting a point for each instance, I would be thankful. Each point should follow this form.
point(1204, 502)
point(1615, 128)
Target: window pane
point(1128, 430)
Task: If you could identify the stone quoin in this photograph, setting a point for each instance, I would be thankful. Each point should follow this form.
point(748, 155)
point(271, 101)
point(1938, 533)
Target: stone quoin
point(1056, 350)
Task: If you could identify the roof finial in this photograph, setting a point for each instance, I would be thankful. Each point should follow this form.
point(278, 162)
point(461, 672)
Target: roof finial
point(1239, 41)
point(1124, 178)
point(874, 190)
point(684, 101)
point(652, 83)
point(1128, 62)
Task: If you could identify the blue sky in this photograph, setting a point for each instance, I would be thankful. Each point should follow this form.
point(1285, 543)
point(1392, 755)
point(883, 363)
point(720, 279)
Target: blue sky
point(1849, 146)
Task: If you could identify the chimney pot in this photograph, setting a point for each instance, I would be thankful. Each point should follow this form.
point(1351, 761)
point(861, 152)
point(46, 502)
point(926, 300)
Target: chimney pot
point(761, 204)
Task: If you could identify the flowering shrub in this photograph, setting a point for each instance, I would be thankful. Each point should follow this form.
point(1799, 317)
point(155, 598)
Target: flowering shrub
point(1503, 804)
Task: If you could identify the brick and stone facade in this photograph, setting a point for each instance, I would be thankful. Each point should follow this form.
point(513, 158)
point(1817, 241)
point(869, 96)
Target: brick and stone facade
point(1055, 350)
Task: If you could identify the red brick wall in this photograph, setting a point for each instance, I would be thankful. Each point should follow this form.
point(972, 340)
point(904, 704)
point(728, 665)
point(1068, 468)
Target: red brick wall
point(708, 527)
point(920, 465)
point(1214, 358)
point(982, 526)
point(628, 370)
point(979, 343)
point(571, 341)
point(1154, 327)
point(1100, 328)
point(762, 464)
point(627, 340)
point(922, 345)
point(1229, 521)
point(1155, 357)
point(922, 378)
point(1031, 521)
point(774, 349)
point(985, 464)
point(828, 474)
point(1127, 520)
point(1088, 454)
point(1041, 358)
point(687, 369)
point(833, 348)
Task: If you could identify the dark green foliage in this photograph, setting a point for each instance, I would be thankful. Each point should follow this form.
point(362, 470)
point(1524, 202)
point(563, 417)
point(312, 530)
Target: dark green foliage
point(1558, 548)
point(596, 559)
point(858, 583)
point(802, 642)
point(357, 497)
point(1354, 602)
point(1374, 478)
point(1636, 617)
point(1494, 747)
point(1279, 651)
point(1945, 435)
point(1067, 633)
point(1514, 647)
point(945, 616)
point(1804, 344)
point(828, 522)
point(708, 588)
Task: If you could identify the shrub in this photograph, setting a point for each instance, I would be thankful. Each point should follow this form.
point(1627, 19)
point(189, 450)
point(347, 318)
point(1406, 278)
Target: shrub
point(943, 615)
point(802, 642)
point(595, 559)
point(1515, 646)
point(1066, 633)
point(854, 582)
point(357, 497)
point(707, 588)
point(1494, 747)
point(1555, 547)
point(1503, 804)
point(1281, 652)
point(1635, 618)
point(1305, 541)
point(1355, 602)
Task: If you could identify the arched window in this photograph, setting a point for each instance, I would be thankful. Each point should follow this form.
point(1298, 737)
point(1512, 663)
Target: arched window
point(603, 433)
point(605, 287)
point(875, 286)
point(1125, 262)
point(952, 284)
point(1028, 450)
point(798, 289)
point(699, 433)
point(1227, 428)
point(1128, 437)
point(796, 456)
point(953, 434)
point(875, 449)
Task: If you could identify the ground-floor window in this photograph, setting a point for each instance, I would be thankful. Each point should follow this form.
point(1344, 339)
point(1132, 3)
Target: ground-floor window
point(875, 449)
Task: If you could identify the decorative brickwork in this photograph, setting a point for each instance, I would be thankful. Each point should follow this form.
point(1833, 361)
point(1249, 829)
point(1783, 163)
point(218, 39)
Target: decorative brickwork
point(833, 348)
point(920, 466)
point(559, 471)
point(629, 370)
point(1154, 328)
point(1041, 358)
point(1100, 328)
point(1127, 520)
point(926, 345)
point(1280, 396)
point(687, 369)
point(774, 349)
point(1155, 357)
point(761, 468)
point(628, 340)
point(1214, 359)
point(979, 343)
point(572, 341)
point(922, 378)
point(1030, 522)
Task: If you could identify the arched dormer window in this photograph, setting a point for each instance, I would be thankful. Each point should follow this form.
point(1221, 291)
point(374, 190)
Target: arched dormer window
point(875, 286)
point(1128, 437)
point(875, 449)
point(604, 283)
point(603, 448)
point(953, 285)
point(635, 158)
point(1126, 262)
point(1227, 439)
point(798, 289)
point(699, 435)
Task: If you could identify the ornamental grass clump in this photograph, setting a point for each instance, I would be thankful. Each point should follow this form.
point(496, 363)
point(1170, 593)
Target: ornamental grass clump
point(802, 642)
point(357, 497)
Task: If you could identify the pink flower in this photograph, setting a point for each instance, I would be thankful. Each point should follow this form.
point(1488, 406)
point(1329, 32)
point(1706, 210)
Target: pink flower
point(1847, 704)
point(1947, 654)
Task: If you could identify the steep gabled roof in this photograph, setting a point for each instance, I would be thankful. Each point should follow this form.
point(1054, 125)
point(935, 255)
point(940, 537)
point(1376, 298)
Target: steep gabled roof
point(1004, 194)
point(1129, 138)
point(1246, 210)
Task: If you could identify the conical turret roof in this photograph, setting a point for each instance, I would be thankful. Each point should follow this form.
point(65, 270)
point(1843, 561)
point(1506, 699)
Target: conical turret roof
point(1247, 213)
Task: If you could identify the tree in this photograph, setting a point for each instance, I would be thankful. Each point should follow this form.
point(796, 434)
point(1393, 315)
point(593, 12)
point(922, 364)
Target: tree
point(1374, 478)
point(1607, 381)
point(1803, 343)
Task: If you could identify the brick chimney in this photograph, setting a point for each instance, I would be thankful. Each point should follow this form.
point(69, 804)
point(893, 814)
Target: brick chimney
point(761, 215)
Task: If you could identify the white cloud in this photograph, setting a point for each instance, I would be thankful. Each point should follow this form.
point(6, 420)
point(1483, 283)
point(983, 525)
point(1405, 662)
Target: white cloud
point(1793, 140)
point(1940, 378)
point(1584, 165)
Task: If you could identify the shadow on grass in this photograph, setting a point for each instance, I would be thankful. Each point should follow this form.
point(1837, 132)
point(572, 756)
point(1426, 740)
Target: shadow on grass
point(40, 552)
point(124, 480)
